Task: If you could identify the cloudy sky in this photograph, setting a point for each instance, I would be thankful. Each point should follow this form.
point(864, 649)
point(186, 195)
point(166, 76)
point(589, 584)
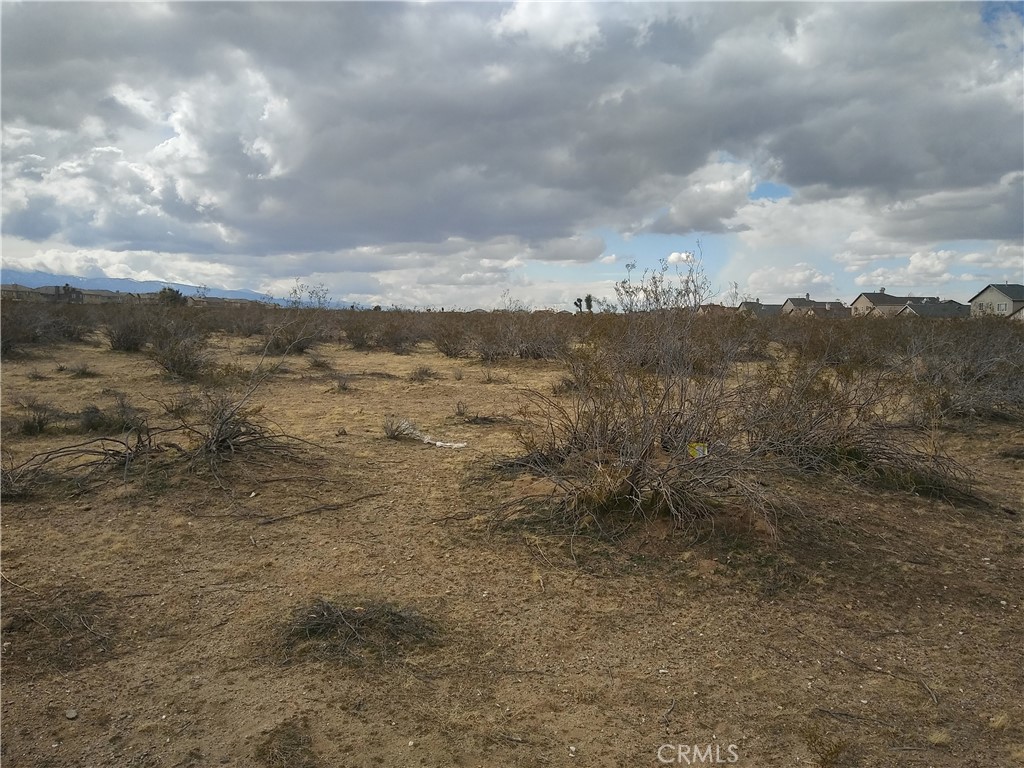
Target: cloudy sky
point(440, 154)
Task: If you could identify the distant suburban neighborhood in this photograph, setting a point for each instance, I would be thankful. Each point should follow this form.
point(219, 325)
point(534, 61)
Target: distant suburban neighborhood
point(998, 299)
point(995, 299)
point(68, 294)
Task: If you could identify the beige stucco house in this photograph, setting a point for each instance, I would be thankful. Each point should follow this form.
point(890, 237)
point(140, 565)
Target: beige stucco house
point(996, 299)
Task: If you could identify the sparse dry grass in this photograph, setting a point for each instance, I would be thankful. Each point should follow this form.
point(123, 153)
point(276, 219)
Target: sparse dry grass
point(354, 631)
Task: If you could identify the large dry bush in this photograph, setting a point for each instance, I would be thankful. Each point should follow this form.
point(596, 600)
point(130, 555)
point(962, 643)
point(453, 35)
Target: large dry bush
point(450, 334)
point(648, 424)
point(127, 327)
point(966, 368)
point(399, 331)
point(19, 326)
point(179, 345)
point(849, 420)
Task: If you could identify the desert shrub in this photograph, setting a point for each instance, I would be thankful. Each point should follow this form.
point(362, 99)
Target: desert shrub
point(19, 327)
point(82, 371)
point(180, 348)
point(289, 745)
point(638, 431)
point(396, 428)
point(180, 405)
point(423, 374)
point(450, 335)
point(633, 444)
point(341, 382)
point(40, 416)
point(68, 322)
point(320, 364)
point(354, 632)
point(360, 328)
point(122, 417)
point(249, 321)
point(492, 339)
point(400, 332)
point(225, 427)
point(537, 335)
point(972, 369)
point(127, 328)
point(299, 332)
point(819, 419)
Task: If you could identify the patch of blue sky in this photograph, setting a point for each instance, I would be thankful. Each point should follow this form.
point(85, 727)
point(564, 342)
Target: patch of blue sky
point(771, 191)
point(1000, 18)
point(992, 11)
point(647, 250)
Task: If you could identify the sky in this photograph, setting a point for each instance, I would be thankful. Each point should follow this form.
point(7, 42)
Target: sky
point(473, 154)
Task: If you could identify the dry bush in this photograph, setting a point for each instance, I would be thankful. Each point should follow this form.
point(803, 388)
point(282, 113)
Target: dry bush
point(359, 327)
point(80, 466)
point(127, 328)
point(971, 369)
point(123, 417)
point(400, 332)
point(68, 322)
point(643, 427)
point(354, 631)
point(180, 348)
point(320, 364)
point(289, 745)
point(396, 428)
point(249, 321)
point(637, 445)
point(19, 327)
point(423, 374)
point(450, 334)
point(40, 416)
point(57, 630)
point(299, 332)
point(817, 418)
point(534, 335)
point(82, 371)
point(226, 427)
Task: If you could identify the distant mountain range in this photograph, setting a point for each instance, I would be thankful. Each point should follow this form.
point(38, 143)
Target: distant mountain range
point(125, 285)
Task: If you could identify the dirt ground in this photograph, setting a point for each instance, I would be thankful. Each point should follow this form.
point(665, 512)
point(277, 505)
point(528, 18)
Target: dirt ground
point(142, 621)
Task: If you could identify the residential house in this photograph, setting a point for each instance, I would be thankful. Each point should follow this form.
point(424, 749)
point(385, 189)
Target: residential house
point(65, 294)
point(1018, 315)
point(16, 292)
point(947, 308)
point(98, 296)
point(715, 310)
point(882, 304)
point(757, 309)
point(806, 307)
point(998, 299)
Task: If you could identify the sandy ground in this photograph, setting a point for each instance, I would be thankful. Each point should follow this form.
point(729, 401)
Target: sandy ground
point(142, 621)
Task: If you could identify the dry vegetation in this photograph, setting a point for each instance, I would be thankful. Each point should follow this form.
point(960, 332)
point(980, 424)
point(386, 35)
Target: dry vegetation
point(800, 538)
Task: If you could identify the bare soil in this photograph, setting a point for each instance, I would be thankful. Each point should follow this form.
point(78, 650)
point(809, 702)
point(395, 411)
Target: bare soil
point(143, 622)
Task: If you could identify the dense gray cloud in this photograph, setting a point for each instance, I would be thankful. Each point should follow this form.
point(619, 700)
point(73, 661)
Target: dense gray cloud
point(258, 135)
